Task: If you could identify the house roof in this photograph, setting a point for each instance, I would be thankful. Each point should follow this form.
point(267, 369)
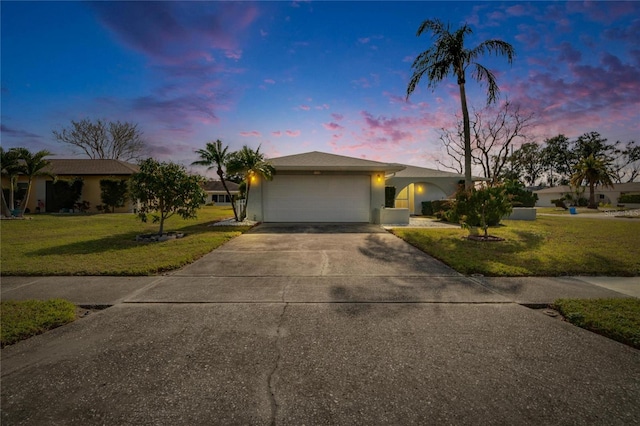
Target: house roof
point(323, 161)
point(422, 172)
point(216, 185)
point(87, 166)
point(618, 187)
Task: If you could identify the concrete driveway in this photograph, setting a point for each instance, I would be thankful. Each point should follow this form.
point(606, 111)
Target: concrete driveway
point(307, 324)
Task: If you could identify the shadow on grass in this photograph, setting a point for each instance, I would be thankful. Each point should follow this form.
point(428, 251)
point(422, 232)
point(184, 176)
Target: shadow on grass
point(125, 241)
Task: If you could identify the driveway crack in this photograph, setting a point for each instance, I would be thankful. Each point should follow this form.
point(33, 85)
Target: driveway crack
point(272, 378)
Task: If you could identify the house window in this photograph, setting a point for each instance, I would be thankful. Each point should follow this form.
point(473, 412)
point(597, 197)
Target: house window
point(220, 198)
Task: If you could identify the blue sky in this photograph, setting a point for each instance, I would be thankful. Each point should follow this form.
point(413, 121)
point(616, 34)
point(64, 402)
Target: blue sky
point(302, 76)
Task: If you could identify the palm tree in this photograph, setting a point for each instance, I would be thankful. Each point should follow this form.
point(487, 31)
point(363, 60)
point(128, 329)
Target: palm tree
point(594, 171)
point(448, 56)
point(10, 164)
point(32, 166)
point(250, 164)
point(215, 156)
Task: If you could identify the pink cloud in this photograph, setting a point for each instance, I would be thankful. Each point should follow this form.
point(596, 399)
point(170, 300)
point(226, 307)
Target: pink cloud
point(332, 126)
point(322, 107)
point(293, 133)
point(304, 107)
point(277, 133)
point(253, 133)
point(337, 117)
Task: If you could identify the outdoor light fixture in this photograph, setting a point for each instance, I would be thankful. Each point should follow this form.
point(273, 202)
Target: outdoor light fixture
point(379, 177)
point(419, 189)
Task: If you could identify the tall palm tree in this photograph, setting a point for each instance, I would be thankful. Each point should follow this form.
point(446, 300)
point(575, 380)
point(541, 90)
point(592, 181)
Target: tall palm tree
point(214, 156)
point(251, 164)
point(449, 56)
point(594, 171)
point(11, 167)
point(33, 165)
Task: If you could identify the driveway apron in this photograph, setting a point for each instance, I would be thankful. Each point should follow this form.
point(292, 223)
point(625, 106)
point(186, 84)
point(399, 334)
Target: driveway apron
point(310, 324)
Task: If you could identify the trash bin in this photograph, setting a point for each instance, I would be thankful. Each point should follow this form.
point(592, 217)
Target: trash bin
point(572, 210)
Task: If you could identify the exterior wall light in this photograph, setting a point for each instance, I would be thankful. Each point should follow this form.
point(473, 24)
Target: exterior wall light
point(379, 176)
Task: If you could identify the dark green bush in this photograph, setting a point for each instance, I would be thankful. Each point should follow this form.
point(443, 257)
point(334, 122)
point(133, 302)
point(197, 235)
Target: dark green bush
point(519, 195)
point(113, 193)
point(470, 207)
point(441, 207)
point(629, 198)
point(427, 208)
point(64, 194)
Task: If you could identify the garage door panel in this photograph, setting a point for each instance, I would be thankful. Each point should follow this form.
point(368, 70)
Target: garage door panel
point(317, 198)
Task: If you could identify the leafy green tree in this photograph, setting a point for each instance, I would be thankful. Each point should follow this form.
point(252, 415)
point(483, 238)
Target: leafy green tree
point(113, 193)
point(164, 189)
point(252, 165)
point(215, 156)
point(32, 165)
point(594, 171)
point(479, 207)
point(558, 159)
point(449, 57)
point(526, 164)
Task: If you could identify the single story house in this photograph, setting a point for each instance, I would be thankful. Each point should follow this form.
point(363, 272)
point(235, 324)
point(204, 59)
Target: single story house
point(217, 194)
point(91, 171)
point(603, 194)
point(322, 187)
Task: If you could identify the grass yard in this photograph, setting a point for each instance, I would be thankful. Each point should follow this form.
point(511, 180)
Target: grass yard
point(104, 244)
point(617, 319)
point(26, 318)
point(548, 246)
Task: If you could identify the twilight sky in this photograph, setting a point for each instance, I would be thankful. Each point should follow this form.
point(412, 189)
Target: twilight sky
point(302, 76)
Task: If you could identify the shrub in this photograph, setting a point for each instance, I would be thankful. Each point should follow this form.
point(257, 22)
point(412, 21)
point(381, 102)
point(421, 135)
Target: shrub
point(113, 193)
point(629, 198)
point(482, 207)
point(519, 195)
point(441, 207)
point(427, 208)
point(65, 194)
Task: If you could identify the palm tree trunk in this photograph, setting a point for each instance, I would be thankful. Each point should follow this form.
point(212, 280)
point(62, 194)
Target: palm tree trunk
point(468, 183)
point(233, 205)
point(23, 204)
point(5, 208)
point(592, 196)
point(246, 200)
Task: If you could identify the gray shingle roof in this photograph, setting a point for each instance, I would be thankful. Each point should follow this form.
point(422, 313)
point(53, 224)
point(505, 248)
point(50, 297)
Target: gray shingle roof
point(322, 161)
point(87, 166)
point(416, 172)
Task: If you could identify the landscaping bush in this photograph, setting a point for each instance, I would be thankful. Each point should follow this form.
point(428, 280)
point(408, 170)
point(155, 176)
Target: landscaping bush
point(519, 195)
point(479, 207)
point(65, 194)
point(389, 196)
point(113, 193)
point(629, 198)
point(441, 207)
point(427, 208)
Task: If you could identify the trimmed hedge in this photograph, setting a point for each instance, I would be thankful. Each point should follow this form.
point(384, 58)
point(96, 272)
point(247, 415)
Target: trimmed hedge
point(629, 198)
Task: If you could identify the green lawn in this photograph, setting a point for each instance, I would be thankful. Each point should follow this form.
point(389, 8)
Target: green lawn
point(26, 318)
point(104, 244)
point(617, 319)
point(548, 246)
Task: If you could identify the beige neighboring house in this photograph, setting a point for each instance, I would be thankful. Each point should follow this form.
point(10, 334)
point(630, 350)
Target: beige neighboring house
point(216, 193)
point(91, 171)
point(603, 194)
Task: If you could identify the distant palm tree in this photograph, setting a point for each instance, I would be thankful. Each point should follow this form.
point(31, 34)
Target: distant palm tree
point(214, 156)
point(10, 163)
point(250, 164)
point(594, 171)
point(448, 56)
point(32, 166)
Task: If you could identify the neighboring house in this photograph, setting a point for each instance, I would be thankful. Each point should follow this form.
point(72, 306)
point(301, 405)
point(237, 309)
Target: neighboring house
point(417, 184)
point(91, 171)
point(320, 187)
point(603, 194)
point(217, 194)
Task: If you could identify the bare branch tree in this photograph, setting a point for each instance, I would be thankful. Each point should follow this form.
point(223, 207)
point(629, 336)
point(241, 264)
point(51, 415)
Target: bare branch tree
point(102, 140)
point(453, 142)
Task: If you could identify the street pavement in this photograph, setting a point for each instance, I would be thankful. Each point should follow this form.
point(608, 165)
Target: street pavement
point(309, 324)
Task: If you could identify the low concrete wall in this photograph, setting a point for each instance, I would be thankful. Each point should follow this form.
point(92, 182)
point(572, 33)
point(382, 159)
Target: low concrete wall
point(394, 216)
point(522, 213)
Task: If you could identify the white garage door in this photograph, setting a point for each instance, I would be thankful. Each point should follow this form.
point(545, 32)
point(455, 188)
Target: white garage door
point(317, 198)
